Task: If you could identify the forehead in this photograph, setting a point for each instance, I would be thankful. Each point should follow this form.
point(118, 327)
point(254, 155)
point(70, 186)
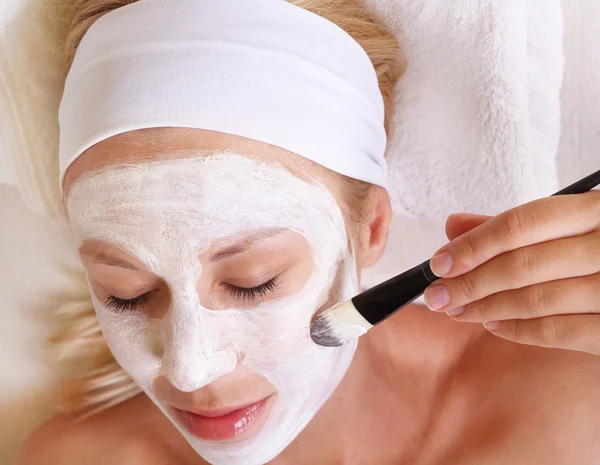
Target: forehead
point(207, 188)
point(186, 204)
point(161, 144)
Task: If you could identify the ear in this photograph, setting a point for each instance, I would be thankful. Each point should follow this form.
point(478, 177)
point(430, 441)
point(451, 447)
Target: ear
point(374, 234)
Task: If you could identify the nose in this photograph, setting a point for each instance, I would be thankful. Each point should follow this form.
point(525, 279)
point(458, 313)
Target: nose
point(192, 355)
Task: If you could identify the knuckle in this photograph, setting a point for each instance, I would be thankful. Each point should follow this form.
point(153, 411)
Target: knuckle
point(470, 251)
point(515, 330)
point(467, 286)
point(548, 330)
point(517, 223)
point(536, 300)
point(520, 264)
point(526, 260)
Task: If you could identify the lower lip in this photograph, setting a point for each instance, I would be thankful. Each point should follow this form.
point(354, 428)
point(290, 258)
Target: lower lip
point(223, 427)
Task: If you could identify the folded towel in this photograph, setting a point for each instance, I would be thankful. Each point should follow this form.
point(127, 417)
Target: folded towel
point(477, 120)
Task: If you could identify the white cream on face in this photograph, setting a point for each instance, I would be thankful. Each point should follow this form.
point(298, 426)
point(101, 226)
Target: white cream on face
point(166, 214)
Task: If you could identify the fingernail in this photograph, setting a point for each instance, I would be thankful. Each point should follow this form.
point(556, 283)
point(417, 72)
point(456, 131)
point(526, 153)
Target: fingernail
point(441, 264)
point(455, 311)
point(436, 297)
point(492, 325)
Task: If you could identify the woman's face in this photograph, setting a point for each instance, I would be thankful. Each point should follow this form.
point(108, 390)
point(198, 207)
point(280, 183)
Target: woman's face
point(208, 256)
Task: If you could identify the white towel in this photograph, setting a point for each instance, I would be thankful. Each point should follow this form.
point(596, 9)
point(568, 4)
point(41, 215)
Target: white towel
point(579, 149)
point(477, 120)
point(477, 112)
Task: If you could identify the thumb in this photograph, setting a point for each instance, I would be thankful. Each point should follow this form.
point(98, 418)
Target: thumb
point(460, 223)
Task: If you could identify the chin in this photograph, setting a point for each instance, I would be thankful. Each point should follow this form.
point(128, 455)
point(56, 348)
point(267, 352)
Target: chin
point(254, 434)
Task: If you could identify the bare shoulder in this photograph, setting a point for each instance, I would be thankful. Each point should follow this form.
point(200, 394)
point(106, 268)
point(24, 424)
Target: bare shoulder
point(578, 402)
point(554, 403)
point(109, 437)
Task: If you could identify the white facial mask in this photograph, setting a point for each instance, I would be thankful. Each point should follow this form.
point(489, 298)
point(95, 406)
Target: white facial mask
point(166, 214)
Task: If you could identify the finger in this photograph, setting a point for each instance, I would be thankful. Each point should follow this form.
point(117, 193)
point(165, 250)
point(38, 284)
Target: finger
point(543, 220)
point(563, 297)
point(574, 332)
point(460, 223)
point(548, 261)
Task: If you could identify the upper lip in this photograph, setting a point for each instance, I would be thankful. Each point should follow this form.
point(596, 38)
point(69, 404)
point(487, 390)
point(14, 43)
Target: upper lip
point(221, 411)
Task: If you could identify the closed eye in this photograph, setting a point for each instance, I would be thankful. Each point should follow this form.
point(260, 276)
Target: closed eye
point(118, 305)
point(253, 293)
point(246, 294)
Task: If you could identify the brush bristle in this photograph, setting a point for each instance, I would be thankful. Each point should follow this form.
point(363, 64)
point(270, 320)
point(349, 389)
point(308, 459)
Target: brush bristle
point(322, 333)
point(338, 325)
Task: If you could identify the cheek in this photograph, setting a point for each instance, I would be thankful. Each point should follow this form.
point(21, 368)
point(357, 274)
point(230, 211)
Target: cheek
point(282, 331)
point(135, 343)
point(299, 369)
point(277, 335)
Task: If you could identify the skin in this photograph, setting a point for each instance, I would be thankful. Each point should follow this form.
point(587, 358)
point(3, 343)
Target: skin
point(425, 387)
point(530, 275)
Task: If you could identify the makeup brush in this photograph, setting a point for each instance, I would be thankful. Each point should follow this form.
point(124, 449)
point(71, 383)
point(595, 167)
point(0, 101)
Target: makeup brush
point(348, 320)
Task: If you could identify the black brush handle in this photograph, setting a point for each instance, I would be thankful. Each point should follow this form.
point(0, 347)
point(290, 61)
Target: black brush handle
point(382, 301)
point(582, 186)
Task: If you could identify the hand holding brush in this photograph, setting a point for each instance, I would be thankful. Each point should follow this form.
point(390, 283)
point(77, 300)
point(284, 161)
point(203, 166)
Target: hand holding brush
point(530, 275)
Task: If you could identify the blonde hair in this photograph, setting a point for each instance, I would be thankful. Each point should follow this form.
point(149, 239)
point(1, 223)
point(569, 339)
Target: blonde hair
point(95, 380)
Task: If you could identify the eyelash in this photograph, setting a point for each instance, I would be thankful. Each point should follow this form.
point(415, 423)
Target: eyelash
point(252, 293)
point(242, 293)
point(126, 305)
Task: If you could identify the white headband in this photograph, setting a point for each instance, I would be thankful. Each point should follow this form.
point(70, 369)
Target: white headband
point(261, 69)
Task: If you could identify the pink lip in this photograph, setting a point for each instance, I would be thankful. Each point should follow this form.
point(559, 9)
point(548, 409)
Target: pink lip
point(221, 424)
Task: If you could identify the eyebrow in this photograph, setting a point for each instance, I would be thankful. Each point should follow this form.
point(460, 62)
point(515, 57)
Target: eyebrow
point(244, 244)
point(107, 259)
point(104, 258)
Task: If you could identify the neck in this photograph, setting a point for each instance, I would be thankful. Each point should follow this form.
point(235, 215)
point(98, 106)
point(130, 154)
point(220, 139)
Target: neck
point(389, 401)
